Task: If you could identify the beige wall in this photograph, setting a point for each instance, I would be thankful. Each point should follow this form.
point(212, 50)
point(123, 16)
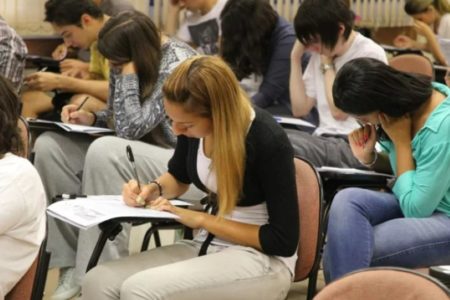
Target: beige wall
point(26, 16)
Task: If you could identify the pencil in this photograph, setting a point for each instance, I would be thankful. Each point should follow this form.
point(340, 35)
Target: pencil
point(82, 103)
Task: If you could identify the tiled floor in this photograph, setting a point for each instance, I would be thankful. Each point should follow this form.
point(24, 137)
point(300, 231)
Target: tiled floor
point(298, 290)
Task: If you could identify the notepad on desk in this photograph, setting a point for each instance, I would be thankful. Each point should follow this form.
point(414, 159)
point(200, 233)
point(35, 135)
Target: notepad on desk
point(52, 125)
point(90, 211)
point(351, 171)
point(294, 121)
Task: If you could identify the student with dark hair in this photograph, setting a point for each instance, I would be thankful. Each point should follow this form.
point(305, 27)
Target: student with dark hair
point(325, 27)
point(431, 20)
point(408, 227)
point(141, 59)
point(62, 52)
point(13, 52)
point(78, 22)
point(200, 26)
point(256, 42)
point(241, 156)
point(22, 198)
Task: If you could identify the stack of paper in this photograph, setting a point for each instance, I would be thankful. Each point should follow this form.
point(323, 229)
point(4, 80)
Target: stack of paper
point(293, 121)
point(46, 124)
point(93, 210)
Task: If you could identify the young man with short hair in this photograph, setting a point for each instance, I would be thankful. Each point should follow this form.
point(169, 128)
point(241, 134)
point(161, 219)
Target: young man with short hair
point(78, 22)
point(325, 28)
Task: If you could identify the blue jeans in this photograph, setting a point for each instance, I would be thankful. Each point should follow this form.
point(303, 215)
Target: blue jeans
point(367, 228)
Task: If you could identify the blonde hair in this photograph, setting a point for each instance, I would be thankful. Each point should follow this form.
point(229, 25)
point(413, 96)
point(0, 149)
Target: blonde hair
point(206, 86)
point(413, 7)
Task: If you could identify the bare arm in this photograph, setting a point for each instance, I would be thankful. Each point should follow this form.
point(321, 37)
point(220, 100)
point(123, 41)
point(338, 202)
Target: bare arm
point(432, 44)
point(172, 18)
point(46, 81)
point(300, 103)
point(96, 88)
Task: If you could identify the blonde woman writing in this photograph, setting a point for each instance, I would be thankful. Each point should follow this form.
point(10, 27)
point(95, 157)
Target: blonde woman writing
point(238, 153)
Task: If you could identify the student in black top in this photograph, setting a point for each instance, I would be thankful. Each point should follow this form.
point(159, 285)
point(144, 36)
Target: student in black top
point(228, 149)
point(256, 42)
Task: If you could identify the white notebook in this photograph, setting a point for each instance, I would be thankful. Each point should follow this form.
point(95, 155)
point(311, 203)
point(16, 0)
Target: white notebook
point(93, 210)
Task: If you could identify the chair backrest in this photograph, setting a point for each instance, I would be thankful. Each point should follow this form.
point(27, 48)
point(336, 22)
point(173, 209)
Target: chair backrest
point(31, 285)
point(309, 195)
point(25, 137)
point(413, 63)
point(384, 283)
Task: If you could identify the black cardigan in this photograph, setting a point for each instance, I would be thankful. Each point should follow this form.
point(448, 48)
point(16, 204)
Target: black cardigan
point(269, 177)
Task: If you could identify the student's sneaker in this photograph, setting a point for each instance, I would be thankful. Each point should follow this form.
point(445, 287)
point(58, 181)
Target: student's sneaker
point(67, 288)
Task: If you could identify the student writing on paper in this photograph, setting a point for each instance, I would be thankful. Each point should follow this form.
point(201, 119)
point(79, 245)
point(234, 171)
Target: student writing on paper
point(78, 22)
point(141, 59)
point(241, 155)
point(432, 21)
point(22, 198)
point(325, 27)
point(410, 226)
point(63, 53)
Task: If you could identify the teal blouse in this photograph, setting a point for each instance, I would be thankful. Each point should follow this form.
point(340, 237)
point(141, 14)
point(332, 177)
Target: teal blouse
point(426, 189)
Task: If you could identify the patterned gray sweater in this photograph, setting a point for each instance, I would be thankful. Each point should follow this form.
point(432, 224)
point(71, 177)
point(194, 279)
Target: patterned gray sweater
point(147, 121)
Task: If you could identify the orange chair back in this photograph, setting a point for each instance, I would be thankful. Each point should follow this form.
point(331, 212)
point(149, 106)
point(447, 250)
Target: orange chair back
point(413, 63)
point(309, 195)
point(384, 283)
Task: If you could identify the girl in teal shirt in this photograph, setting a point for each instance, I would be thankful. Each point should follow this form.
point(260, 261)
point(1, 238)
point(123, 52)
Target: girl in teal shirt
point(410, 116)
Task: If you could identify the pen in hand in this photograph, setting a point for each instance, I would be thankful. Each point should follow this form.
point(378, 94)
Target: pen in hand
point(139, 199)
point(82, 103)
point(133, 164)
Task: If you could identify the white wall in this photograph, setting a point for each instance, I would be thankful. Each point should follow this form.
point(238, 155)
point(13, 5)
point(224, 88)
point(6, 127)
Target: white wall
point(27, 16)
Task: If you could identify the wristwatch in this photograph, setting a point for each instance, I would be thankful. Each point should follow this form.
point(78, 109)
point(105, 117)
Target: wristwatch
point(326, 67)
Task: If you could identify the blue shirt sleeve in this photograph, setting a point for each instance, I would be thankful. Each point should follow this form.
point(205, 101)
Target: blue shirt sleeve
point(420, 191)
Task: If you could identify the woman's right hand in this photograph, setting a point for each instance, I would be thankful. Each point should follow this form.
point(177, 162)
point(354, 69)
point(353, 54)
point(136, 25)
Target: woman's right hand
point(71, 114)
point(133, 196)
point(362, 142)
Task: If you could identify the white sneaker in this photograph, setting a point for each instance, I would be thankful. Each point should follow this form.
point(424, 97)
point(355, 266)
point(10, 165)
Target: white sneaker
point(67, 288)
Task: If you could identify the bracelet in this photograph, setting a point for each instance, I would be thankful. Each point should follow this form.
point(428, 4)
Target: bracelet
point(370, 165)
point(159, 186)
point(95, 119)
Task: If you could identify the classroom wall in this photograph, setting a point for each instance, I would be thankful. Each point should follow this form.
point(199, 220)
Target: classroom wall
point(27, 16)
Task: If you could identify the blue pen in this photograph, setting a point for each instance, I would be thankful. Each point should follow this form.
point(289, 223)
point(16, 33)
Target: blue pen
point(133, 164)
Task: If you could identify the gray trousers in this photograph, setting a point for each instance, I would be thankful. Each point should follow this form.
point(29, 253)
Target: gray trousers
point(323, 151)
point(81, 164)
point(177, 272)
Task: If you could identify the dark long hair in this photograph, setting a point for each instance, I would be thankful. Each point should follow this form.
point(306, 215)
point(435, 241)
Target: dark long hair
point(366, 85)
point(247, 27)
point(9, 116)
point(132, 36)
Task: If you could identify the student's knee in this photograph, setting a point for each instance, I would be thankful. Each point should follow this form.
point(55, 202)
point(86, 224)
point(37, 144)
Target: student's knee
point(99, 281)
point(345, 201)
point(133, 288)
point(102, 150)
point(45, 147)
